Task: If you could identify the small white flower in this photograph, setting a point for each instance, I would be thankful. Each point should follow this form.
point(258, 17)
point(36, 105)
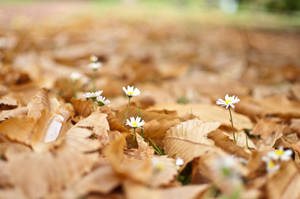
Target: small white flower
point(271, 165)
point(75, 76)
point(131, 91)
point(93, 58)
point(157, 164)
point(225, 166)
point(102, 101)
point(228, 102)
point(135, 123)
point(179, 162)
point(95, 65)
point(283, 155)
point(93, 94)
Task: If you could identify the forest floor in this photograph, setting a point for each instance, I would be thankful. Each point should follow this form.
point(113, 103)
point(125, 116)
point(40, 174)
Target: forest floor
point(58, 142)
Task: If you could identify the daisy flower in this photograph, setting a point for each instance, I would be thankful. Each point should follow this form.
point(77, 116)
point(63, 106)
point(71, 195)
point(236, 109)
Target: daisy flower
point(131, 91)
point(228, 102)
point(179, 162)
point(102, 101)
point(157, 164)
point(280, 154)
point(135, 122)
point(93, 95)
point(271, 165)
point(93, 58)
point(94, 63)
point(75, 76)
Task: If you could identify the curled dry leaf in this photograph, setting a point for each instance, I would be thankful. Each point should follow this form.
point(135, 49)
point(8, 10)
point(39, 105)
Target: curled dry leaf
point(45, 174)
point(4, 115)
point(224, 142)
point(6, 104)
point(134, 169)
point(270, 130)
point(207, 113)
point(188, 140)
point(156, 123)
point(83, 107)
point(285, 183)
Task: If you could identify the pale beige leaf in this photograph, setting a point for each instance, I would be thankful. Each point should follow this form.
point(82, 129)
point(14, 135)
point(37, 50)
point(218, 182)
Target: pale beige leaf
point(4, 115)
point(166, 174)
point(102, 180)
point(189, 139)
point(6, 104)
point(39, 103)
point(281, 184)
point(207, 113)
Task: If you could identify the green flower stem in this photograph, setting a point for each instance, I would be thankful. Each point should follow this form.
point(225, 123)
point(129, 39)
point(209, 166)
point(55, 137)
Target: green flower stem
point(234, 138)
point(155, 147)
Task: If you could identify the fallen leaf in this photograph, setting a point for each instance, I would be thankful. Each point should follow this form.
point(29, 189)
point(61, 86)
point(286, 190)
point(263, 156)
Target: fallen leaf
point(188, 140)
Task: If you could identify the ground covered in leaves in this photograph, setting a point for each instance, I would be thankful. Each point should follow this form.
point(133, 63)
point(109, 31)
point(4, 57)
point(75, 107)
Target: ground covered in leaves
point(56, 144)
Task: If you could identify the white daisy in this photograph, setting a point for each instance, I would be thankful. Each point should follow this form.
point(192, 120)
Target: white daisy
point(75, 76)
point(280, 154)
point(157, 164)
point(135, 123)
point(102, 101)
point(225, 166)
point(131, 91)
point(93, 94)
point(95, 65)
point(228, 102)
point(93, 58)
point(271, 165)
point(179, 162)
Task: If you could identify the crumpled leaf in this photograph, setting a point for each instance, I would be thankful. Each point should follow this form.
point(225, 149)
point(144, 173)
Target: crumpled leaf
point(137, 170)
point(83, 107)
point(189, 140)
point(4, 115)
point(46, 173)
point(284, 183)
point(207, 113)
point(6, 104)
point(224, 142)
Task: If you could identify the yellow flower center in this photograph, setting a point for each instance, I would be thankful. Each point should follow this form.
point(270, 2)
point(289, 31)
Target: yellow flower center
point(271, 164)
point(134, 124)
point(228, 101)
point(130, 93)
point(279, 152)
point(160, 167)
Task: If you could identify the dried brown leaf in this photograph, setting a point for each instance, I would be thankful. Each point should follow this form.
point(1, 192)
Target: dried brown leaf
point(188, 140)
point(207, 113)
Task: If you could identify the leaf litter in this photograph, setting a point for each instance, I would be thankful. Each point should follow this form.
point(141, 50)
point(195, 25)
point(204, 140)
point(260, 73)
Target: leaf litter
point(55, 143)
